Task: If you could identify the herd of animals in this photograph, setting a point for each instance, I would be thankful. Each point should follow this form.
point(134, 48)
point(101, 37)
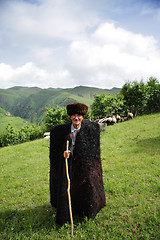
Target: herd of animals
point(106, 121)
point(111, 120)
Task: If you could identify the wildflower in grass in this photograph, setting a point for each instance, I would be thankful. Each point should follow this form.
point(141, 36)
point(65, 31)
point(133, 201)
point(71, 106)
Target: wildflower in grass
point(4, 201)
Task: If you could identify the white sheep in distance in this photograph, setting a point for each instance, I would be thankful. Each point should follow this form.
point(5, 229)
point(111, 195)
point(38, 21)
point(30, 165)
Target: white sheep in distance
point(46, 135)
point(110, 120)
point(114, 120)
point(119, 119)
point(129, 115)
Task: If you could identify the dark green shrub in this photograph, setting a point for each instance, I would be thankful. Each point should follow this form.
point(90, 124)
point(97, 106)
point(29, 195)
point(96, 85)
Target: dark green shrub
point(27, 133)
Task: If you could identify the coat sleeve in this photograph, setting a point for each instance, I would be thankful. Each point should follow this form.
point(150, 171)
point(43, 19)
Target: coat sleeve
point(54, 160)
point(57, 146)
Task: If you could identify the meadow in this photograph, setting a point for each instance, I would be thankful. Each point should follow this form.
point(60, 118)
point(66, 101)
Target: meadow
point(16, 122)
point(130, 153)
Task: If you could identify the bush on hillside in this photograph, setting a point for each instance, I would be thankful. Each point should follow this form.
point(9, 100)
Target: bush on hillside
point(55, 116)
point(13, 136)
point(153, 100)
point(104, 105)
point(142, 98)
point(139, 98)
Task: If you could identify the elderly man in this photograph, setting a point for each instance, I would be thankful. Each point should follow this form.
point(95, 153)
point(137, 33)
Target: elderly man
point(85, 170)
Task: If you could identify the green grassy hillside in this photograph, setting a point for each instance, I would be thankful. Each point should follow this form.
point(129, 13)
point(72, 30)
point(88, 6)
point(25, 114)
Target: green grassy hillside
point(3, 112)
point(31, 103)
point(7, 119)
point(130, 155)
point(8, 97)
point(15, 122)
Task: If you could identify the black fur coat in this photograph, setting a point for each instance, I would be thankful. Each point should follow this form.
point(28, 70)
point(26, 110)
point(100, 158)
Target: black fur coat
point(85, 171)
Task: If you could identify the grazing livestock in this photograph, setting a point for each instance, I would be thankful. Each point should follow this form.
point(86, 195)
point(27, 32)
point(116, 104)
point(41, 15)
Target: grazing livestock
point(107, 121)
point(46, 135)
point(118, 118)
point(129, 115)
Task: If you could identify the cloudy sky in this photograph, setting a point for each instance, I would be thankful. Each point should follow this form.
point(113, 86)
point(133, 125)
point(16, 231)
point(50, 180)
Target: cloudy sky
point(67, 43)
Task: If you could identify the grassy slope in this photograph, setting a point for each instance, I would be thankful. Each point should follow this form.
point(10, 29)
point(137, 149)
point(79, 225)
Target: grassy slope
point(2, 112)
point(130, 157)
point(131, 153)
point(16, 122)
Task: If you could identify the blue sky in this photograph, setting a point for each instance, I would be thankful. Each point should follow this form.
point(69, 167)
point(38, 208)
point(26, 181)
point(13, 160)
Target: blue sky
point(67, 43)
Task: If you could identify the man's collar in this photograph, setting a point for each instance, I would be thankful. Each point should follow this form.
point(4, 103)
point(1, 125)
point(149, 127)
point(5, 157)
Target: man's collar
point(73, 129)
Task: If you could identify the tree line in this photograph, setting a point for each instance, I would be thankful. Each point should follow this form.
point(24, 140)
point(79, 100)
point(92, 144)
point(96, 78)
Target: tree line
point(138, 98)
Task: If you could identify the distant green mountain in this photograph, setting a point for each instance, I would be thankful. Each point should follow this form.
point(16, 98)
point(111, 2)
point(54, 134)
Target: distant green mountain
point(31, 103)
point(8, 97)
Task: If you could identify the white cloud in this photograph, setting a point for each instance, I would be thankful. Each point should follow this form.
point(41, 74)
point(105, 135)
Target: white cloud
point(109, 34)
point(49, 19)
point(42, 56)
point(113, 55)
point(62, 43)
point(108, 57)
point(30, 75)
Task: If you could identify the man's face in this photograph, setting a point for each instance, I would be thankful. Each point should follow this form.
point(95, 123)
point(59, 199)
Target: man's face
point(76, 120)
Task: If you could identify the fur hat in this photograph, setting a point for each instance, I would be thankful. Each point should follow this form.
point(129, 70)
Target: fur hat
point(77, 108)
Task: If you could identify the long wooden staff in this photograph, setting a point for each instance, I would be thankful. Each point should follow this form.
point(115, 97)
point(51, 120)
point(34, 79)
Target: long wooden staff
point(68, 191)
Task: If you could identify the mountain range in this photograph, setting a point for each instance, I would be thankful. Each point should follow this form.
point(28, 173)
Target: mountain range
point(31, 102)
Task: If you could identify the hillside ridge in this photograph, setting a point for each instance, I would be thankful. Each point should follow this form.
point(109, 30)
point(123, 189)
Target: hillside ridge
point(31, 102)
